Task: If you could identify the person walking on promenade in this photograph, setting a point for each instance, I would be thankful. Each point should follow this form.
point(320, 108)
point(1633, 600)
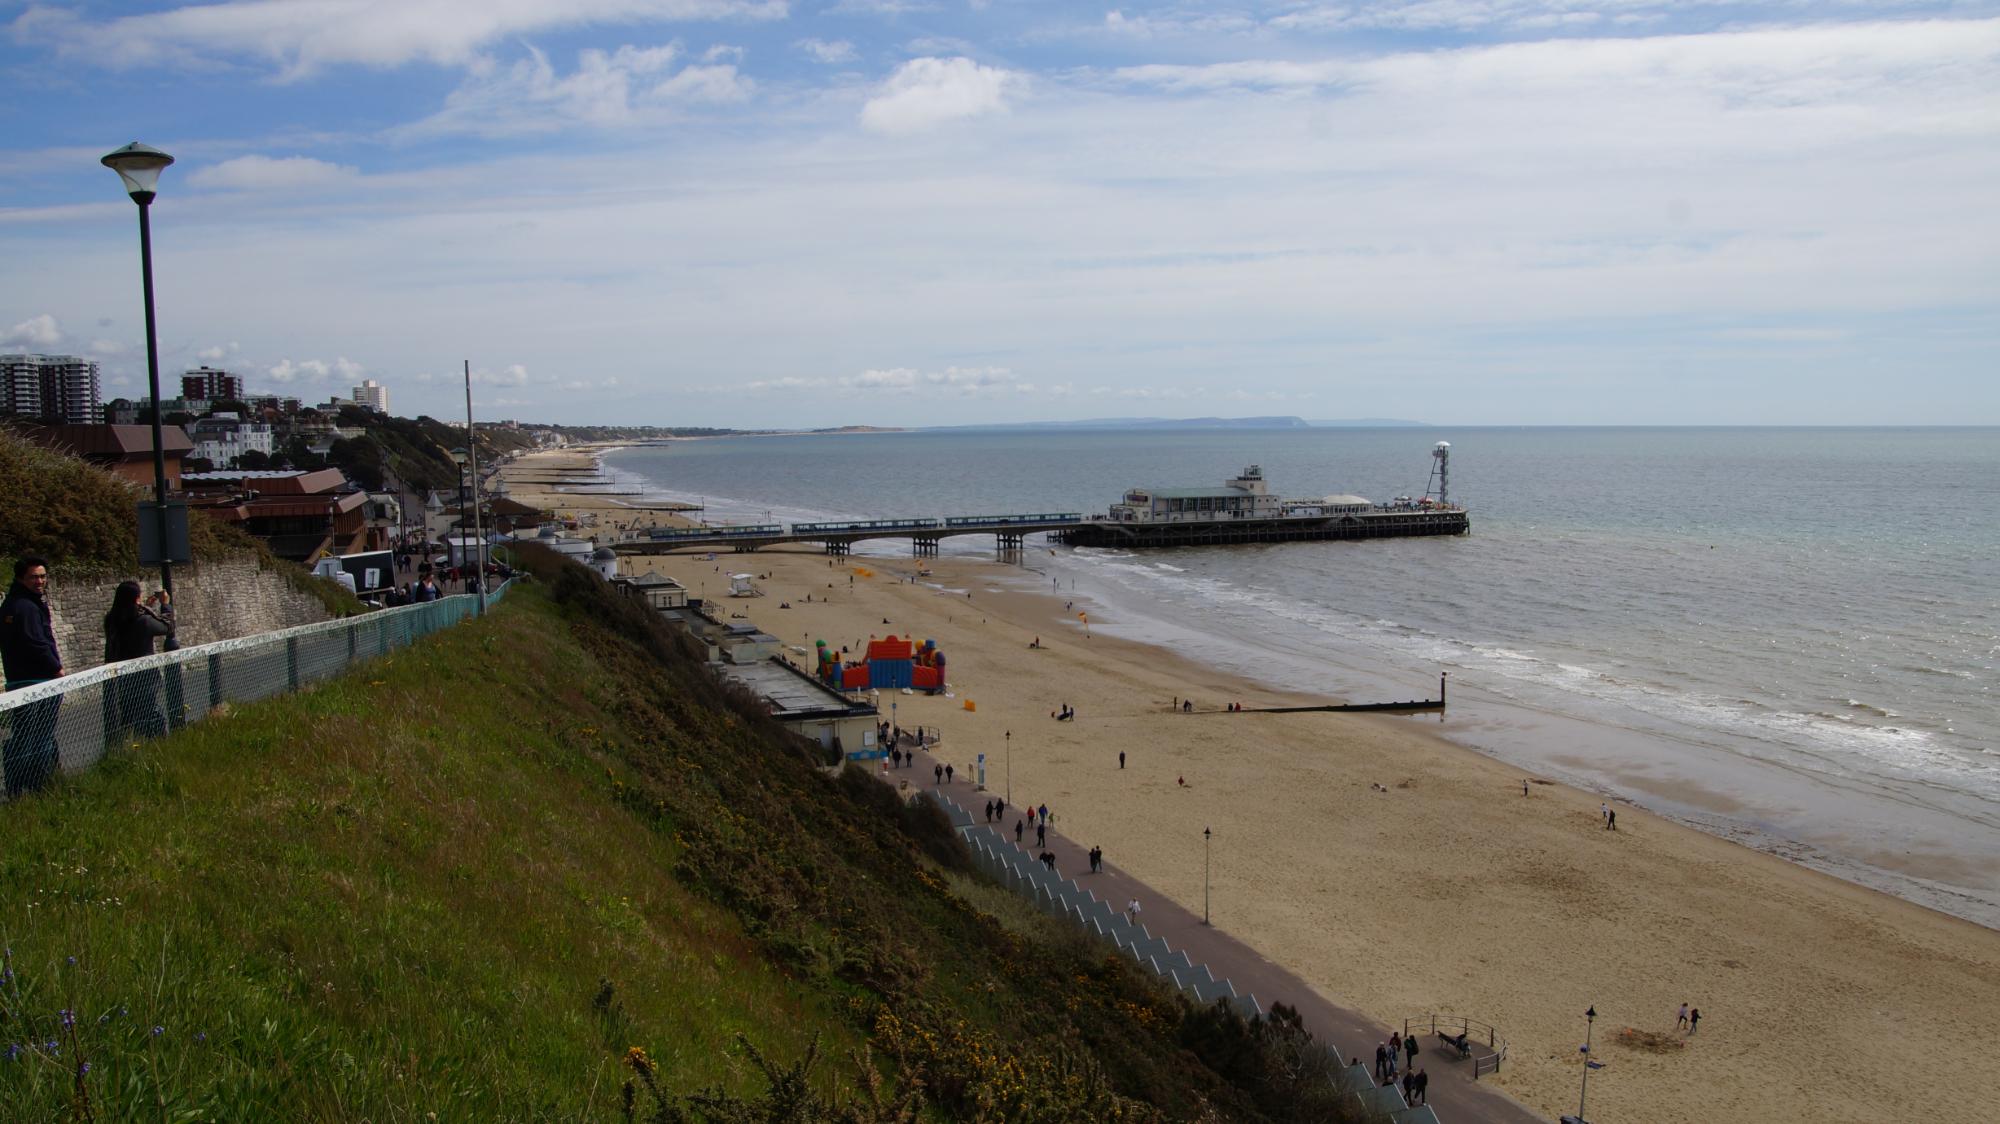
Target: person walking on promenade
point(1681, 1020)
point(1041, 834)
point(1694, 1020)
point(947, 774)
point(1395, 1051)
point(1045, 813)
point(1423, 1087)
point(426, 588)
point(129, 631)
point(1409, 1086)
point(938, 772)
point(989, 811)
point(1132, 911)
point(28, 654)
point(1410, 1052)
point(1017, 833)
point(1381, 1062)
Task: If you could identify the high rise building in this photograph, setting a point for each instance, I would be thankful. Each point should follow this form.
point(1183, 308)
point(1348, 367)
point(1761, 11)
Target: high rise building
point(61, 389)
point(373, 395)
point(212, 385)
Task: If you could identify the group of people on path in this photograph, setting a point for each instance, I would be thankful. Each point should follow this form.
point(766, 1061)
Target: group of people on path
point(28, 652)
point(1400, 1054)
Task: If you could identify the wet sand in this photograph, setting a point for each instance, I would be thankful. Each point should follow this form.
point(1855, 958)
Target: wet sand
point(1399, 873)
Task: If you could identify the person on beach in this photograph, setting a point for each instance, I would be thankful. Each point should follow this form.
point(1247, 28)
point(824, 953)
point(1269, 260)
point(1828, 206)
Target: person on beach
point(1694, 1019)
point(1612, 823)
point(1187, 706)
point(1121, 759)
point(28, 654)
point(1604, 812)
point(1524, 786)
point(1681, 1020)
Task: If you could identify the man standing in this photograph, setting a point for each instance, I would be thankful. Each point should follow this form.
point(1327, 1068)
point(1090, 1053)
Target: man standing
point(1682, 1020)
point(1410, 1052)
point(1694, 1020)
point(28, 652)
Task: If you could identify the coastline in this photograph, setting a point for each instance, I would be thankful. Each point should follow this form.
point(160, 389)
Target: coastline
point(1443, 890)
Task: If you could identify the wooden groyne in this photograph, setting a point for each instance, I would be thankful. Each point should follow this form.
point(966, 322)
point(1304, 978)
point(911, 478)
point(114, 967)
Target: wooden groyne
point(1414, 704)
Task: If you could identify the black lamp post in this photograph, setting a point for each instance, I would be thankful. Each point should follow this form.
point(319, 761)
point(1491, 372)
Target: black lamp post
point(1010, 766)
point(1589, 1019)
point(1206, 835)
point(140, 166)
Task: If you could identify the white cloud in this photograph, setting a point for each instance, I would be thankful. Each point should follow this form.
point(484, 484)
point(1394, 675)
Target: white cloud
point(219, 351)
point(304, 37)
point(927, 92)
point(269, 173)
point(513, 375)
point(880, 7)
point(341, 371)
point(831, 52)
point(38, 331)
point(107, 349)
point(608, 89)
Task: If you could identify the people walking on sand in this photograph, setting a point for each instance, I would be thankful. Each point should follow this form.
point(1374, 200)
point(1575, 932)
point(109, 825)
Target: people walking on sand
point(1694, 1020)
point(1187, 706)
point(1613, 822)
point(1681, 1020)
point(1604, 812)
point(28, 654)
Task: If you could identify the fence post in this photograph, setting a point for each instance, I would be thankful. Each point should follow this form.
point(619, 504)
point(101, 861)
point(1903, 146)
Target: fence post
point(176, 702)
point(292, 662)
point(214, 681)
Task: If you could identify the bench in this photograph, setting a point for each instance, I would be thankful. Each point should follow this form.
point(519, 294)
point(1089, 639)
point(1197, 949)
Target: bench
point(1460, 1044)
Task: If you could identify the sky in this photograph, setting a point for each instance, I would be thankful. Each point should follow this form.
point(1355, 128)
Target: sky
point(804, 213)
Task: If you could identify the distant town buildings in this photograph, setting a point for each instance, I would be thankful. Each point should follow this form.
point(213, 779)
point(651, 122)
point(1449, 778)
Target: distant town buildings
point(373, 395)
point(58, 389)
point(211, 385)
point(221, 438)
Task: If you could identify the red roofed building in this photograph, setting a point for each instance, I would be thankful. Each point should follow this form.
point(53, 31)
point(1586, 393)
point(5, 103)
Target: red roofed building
point(125, 451)
point(299, 515)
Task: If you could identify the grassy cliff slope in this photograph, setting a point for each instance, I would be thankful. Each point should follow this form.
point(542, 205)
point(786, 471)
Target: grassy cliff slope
point(543, 867)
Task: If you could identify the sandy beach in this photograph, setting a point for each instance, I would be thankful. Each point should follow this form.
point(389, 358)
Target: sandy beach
point(1401, 874)
point(527, 477)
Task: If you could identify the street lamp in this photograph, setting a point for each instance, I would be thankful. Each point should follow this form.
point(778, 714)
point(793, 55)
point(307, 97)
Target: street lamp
point(1206, 835)
point(1010, 766)
point(1589, 1018)
point(139, 166)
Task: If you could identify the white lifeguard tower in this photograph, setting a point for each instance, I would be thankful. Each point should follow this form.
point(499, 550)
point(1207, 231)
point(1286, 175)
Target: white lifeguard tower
point(744, 585)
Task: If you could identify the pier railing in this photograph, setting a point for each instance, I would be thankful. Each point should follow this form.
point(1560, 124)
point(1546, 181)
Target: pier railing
point(67, 725)
point(1431, 1024)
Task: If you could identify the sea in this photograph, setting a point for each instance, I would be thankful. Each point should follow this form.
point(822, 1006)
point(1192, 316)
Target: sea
point(1787, 637)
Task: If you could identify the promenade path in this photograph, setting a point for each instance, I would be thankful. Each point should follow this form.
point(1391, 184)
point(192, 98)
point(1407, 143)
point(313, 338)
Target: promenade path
point(1456, 1097)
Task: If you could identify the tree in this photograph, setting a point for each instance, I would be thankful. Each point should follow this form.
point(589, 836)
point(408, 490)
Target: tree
point(253, 461)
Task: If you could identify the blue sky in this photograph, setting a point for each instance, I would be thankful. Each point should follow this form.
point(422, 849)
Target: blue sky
point(894, 212)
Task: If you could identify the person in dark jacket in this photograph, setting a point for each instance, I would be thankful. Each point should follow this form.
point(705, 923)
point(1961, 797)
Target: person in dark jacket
point(28, 653)
point(129, 631)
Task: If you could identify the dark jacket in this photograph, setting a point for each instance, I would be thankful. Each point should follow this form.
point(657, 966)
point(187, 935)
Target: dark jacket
point(134, 637)
point(27, 643)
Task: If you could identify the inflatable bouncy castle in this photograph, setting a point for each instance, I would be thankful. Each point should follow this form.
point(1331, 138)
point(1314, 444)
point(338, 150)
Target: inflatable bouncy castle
point(890, 663)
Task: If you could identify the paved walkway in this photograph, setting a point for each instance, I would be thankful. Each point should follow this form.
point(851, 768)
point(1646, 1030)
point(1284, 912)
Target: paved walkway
point(1453, 1093)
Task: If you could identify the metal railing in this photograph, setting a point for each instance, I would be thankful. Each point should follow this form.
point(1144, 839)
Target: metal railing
point(69, 724)
point(1432, 1022)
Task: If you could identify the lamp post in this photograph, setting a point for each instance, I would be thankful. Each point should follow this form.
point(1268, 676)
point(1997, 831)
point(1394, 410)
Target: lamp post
point(139, 166)
point(478, 531)
point(1010, 766)
point(1589, 1019)
point(1206, 835)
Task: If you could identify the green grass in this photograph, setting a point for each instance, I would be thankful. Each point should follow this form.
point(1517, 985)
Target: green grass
point(470, 878)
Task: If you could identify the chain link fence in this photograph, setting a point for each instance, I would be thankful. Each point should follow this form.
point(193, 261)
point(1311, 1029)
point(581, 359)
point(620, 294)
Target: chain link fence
point(68, 724)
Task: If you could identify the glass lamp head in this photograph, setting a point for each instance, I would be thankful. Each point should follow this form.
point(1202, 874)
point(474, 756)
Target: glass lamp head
point(139, 165)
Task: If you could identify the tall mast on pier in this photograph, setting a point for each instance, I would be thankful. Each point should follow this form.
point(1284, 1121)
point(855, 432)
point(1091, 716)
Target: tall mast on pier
point(1441, 472)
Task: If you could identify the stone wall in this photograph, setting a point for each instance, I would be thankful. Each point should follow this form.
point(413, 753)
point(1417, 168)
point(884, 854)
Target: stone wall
point(212, 601)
